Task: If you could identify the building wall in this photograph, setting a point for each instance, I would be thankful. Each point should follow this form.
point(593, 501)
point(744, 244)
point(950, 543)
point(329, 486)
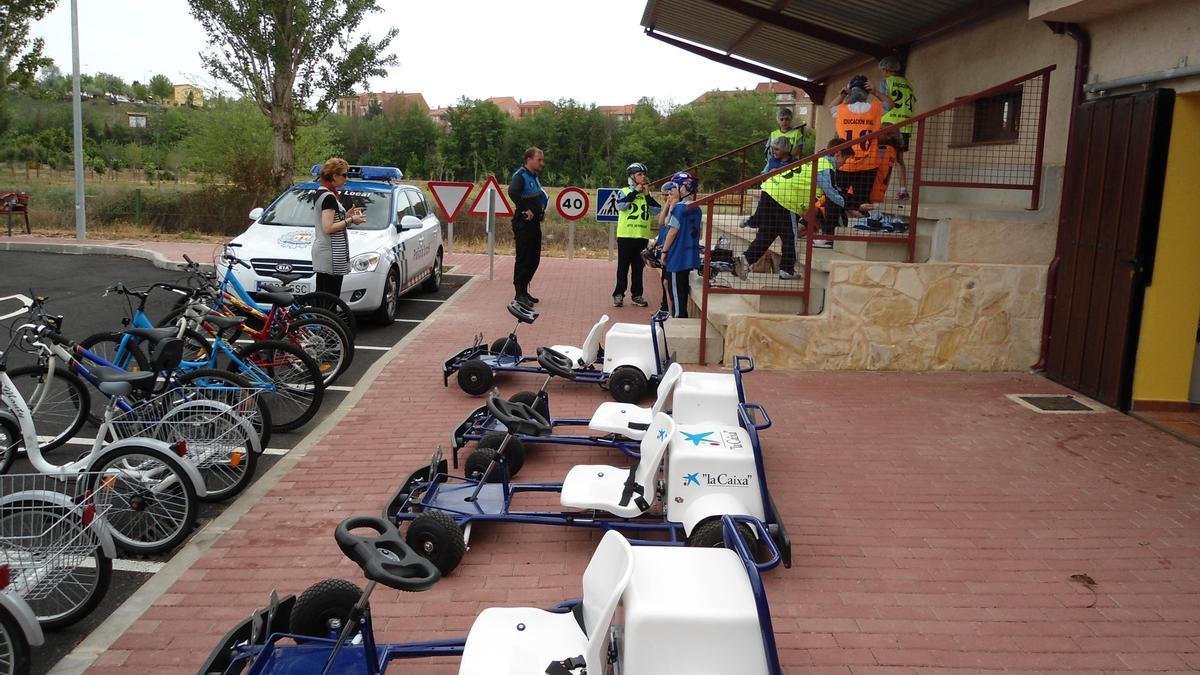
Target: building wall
point(1147, 38)
point(1167, 343)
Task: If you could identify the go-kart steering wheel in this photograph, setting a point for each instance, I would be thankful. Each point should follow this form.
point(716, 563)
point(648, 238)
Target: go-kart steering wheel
point(385, 558)
point(556, 363)
point(518, 418)
point(522, 313)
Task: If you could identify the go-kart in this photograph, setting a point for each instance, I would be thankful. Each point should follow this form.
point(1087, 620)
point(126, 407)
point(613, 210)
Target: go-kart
point(712, 470)
point(669, 628)
point(706, 397)
point(634, 356)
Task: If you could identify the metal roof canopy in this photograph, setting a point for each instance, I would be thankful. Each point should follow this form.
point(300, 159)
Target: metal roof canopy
point(802, 42)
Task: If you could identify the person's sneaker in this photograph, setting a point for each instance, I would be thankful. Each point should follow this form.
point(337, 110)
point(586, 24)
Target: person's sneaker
point(740, 267)
point(822, 243)
point(861, 224)
point(786, 275)
point(640, 301)
point(531, 298)
point(618, 301)
point(746, 223)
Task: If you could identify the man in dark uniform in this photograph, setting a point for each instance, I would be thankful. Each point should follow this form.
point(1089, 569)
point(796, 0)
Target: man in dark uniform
point(529, 207)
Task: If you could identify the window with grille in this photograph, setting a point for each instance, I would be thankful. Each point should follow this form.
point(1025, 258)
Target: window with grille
point(996, 118)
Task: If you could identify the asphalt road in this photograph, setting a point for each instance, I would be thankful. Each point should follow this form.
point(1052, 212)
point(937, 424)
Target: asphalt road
point(74, 286)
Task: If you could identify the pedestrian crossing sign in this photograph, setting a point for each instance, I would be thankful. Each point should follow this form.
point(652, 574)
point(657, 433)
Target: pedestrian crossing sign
point(606, 205)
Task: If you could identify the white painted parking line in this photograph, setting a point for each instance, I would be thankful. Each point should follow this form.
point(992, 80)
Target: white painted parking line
point(25, 303)
point(276, 451)
point(337, 387)
point(372, 347)
point(143, 566)
point(407, 320)
point(423, 300)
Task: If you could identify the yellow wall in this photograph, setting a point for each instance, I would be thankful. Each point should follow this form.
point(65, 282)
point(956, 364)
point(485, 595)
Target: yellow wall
point(1168, 334)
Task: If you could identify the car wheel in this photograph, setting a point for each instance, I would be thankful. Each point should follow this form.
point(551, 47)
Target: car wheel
point(434, 282)
point(386, 313)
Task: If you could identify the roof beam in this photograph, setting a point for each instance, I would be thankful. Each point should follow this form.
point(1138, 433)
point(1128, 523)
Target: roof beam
point(815, 91)
point(803, 27)
point(754, 28)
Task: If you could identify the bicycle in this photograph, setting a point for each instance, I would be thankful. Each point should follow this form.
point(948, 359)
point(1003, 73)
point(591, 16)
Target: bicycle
point(153, 488)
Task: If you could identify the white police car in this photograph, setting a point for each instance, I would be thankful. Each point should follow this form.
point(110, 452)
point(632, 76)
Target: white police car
point(398, 248)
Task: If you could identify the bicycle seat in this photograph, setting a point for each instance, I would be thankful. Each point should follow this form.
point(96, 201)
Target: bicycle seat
point(153, 334)
point(286, 279)
point(167, 354)
point(223, 322)
point(277, 298)
point(115, 382)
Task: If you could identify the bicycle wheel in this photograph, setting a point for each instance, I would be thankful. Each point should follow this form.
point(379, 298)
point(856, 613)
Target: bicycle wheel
point(326, 342)
point(152, 503)
point(214, 377)
point(294, 390)
point(219, 441)
point(61, 410)
point(10, 442)
point(333, 303)
point(14, 649)
point(71, 574)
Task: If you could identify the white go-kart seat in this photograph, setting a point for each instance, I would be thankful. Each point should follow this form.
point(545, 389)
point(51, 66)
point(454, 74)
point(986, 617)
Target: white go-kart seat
point(626, 493)
point(520, 640)
point(582, 357)
point(629, 420)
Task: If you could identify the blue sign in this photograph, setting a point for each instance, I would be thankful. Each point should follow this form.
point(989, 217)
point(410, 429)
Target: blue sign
point(606, 205)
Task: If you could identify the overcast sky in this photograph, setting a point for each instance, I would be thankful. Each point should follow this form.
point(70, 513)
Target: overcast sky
point(594, 52)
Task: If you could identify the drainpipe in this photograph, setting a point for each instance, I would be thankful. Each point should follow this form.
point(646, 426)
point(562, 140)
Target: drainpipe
point(1083, 55)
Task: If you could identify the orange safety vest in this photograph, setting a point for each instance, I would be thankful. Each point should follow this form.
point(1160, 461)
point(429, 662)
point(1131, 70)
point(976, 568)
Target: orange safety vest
point(851, 125)
point(884, 173)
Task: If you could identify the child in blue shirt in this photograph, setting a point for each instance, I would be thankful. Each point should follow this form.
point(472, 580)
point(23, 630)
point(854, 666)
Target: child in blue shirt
point(680, 247)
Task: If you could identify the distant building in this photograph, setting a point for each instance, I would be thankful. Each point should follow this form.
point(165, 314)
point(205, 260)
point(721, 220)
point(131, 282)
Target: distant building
point(389, 102)
point(623, 113)
point(439, 115)
point(137, 120)
point(187, 94)
point(786, 96)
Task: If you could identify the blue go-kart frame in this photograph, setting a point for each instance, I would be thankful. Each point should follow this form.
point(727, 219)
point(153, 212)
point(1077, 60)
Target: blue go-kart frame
point(257, 641)
point(510, 360)
point(469, 499)
point(481, 422)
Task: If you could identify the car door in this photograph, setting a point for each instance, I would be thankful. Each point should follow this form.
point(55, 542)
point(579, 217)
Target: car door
point(425, 243)
point(402, 240)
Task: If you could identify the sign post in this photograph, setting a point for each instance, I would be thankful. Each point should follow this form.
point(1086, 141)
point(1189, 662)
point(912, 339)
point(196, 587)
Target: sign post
point(606, 212)
point(450, 196)
point(572, 204)
point(488, 203)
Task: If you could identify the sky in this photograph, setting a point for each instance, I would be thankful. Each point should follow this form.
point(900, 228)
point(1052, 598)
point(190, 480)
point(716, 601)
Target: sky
point(593, 52)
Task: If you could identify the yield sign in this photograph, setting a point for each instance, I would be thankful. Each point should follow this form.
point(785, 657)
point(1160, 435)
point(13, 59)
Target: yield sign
point(450, 196)
point(480, 206)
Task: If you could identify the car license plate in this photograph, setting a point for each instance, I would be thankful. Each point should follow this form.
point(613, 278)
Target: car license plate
point(296, 287)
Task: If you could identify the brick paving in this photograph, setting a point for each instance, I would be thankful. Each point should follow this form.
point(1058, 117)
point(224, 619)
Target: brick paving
point(936, 525)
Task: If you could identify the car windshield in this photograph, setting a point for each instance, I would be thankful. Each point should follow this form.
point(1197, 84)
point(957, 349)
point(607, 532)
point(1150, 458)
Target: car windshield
point(295, 208)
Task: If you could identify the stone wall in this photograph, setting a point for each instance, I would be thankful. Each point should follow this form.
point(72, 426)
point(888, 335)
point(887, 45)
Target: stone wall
point(901, 316)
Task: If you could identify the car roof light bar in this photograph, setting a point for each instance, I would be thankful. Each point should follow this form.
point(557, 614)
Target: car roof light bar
point(381, 173)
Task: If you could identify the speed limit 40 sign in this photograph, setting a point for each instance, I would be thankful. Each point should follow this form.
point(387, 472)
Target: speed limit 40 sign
point(572, 203)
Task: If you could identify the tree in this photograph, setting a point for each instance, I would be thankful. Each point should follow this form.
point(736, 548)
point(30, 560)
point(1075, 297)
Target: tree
point(475, 145)
point(20, 58)
point(282, 54)
point(139, 91)
point(110, 84)
point(161, 88)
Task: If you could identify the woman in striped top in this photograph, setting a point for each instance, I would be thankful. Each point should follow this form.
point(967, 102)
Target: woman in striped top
point(331, 248)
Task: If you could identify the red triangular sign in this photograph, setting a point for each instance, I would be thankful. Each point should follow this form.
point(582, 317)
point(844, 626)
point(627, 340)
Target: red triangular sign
point(450, 195)
point(480, 205)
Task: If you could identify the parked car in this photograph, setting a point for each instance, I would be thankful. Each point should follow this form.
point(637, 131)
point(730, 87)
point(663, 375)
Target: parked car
point(398, 249)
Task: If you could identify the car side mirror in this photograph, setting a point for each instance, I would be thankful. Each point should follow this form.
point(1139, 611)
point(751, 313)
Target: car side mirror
point(255, 214)
point(410, 223)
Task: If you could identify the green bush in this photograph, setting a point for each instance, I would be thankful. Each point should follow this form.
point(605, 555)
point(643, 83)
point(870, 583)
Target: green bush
point(209, 210)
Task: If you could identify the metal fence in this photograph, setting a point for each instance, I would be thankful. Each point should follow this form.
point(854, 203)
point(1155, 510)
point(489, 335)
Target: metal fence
point(761, 233)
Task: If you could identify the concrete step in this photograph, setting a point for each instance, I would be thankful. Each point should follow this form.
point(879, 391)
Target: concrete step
point(877, 251)
point(683, 336)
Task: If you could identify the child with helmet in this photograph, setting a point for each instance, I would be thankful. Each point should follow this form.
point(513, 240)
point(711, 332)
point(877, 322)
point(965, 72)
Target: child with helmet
point(678, 242)
point(635, 208)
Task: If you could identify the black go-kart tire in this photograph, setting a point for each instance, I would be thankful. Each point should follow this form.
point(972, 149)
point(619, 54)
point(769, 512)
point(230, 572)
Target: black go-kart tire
point(475, 377)
point(14, 650)
point(531, 398)
point(505, 346)
point(389, 300)
point(478, 462)
point(515, 452)
point(434, 281)
point(711, 534)
point(627, 384)
point(320, 604)
point(435, 535)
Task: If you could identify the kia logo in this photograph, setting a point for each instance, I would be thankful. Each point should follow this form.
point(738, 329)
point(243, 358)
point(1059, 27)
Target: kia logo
point(283, 267)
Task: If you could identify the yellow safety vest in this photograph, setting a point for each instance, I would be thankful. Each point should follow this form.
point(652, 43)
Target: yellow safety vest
point(901, 91)
point(791, 188)
point(634, 222)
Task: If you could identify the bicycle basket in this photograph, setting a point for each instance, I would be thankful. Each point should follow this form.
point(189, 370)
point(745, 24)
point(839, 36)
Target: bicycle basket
point(215, 423)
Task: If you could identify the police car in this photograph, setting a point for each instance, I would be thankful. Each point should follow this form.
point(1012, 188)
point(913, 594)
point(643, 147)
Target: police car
point(397, 249)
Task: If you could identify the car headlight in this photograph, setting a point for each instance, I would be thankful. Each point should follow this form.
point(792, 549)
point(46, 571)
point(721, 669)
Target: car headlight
point(366, 262)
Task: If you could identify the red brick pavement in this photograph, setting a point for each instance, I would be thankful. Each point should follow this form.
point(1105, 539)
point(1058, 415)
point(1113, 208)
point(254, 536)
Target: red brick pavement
point(936, 525)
